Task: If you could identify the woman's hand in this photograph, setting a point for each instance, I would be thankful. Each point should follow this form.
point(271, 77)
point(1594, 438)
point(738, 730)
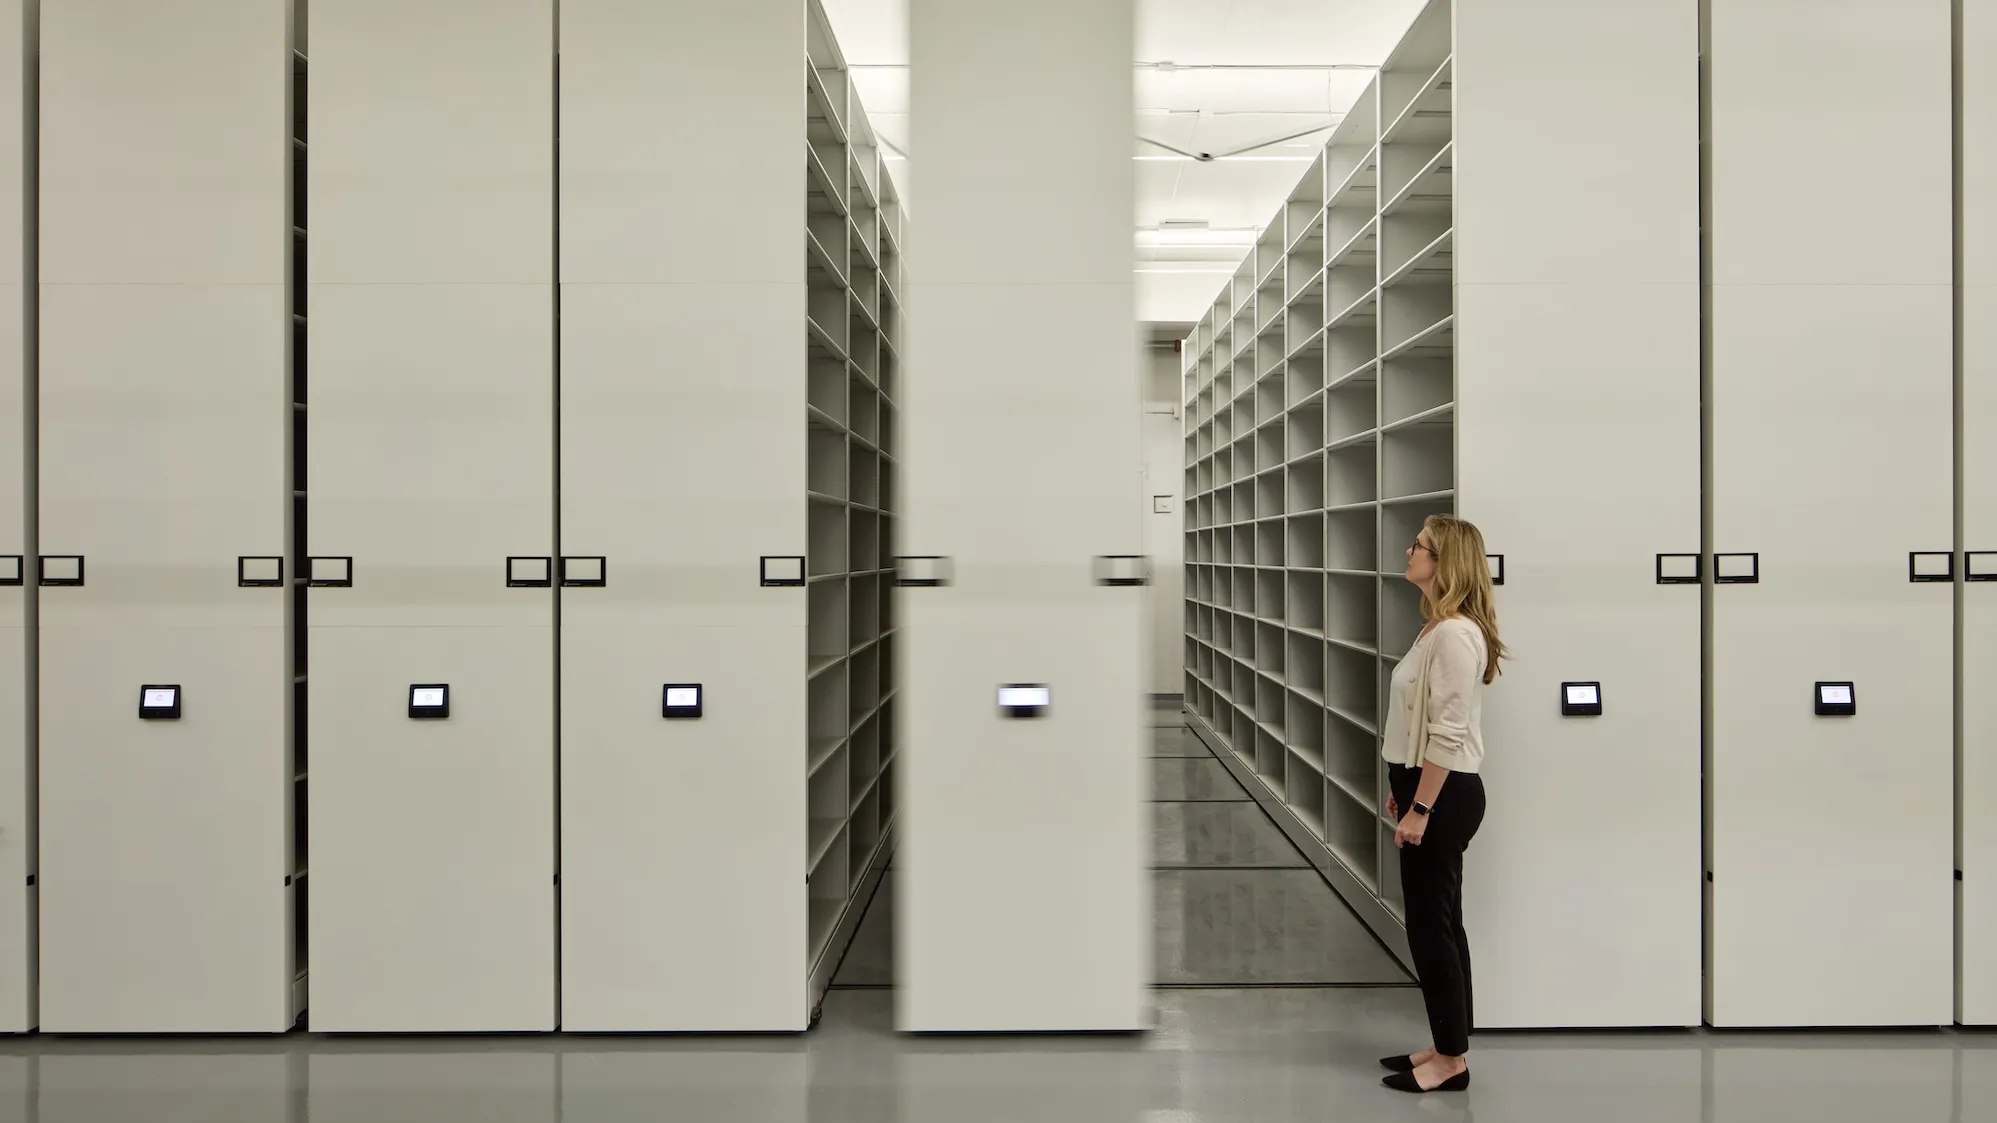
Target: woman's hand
point(1393, 810)
point(1409, 829)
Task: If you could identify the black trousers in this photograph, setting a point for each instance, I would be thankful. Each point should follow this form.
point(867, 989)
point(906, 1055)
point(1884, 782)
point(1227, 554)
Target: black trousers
point(1432, 894)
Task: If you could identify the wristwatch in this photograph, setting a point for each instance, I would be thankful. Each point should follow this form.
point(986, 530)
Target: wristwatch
point(1419, 808)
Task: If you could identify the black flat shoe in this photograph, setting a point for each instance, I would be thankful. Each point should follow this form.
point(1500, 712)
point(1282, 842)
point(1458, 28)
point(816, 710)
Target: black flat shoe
point(1399, 1063)
point(1405, 1082)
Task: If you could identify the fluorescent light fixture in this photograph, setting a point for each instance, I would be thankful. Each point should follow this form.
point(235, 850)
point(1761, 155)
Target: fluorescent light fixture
point(1196, 237)
point(1176, 159)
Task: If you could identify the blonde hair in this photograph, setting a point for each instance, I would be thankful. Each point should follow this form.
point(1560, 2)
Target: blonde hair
point(1463, 583)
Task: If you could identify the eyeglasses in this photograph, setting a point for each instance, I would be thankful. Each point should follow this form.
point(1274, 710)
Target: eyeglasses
point(1417, 545)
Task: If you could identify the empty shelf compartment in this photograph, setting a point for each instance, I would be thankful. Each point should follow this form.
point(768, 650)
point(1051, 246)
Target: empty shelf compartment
point(1352, 541)
point(1411, 387)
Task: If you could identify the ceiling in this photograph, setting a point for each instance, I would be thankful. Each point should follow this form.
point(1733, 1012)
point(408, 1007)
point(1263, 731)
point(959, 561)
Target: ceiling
point(1213, 76)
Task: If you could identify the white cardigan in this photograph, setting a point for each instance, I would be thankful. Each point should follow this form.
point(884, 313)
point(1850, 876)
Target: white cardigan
point(1435, 704)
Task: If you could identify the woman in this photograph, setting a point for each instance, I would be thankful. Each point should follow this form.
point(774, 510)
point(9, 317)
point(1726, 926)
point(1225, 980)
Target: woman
point(1434, 748)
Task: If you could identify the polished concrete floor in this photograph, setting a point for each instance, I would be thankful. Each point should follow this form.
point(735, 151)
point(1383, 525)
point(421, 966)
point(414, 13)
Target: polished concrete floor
point(1273, 1004)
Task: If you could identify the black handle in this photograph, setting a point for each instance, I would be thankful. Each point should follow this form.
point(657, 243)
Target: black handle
point(530, 572)
point(60, 570)
point(1671, 569)
point(585, 571)
point(1751, 577)
point(329, 572)
point(259, 571)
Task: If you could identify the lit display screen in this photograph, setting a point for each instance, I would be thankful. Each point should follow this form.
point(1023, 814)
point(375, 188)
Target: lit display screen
point(1018, 697)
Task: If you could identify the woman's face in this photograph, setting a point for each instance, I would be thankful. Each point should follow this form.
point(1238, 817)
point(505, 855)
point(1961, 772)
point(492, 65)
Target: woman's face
point(1421, 560)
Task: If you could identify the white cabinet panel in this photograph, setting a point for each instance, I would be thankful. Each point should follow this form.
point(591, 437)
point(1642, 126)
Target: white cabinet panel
point(164, 845)
point(164, 859)
point(1800, 153)
point(193, 189)
point(1087, 461)
point(1023, 472)
point(732, 178)
point(1831, 400)
point(684, 438)
point(17, 826)
point(1036, 221)
point(657, 443)
point(1546, 181)
point(431, 462)
point(432, 148)
point(986, 941)
point(431, 438)
point(683, 842)
point(1978, 984)
point(1577, 453)
point(1580, 480)
point(1978, 795)
point(163, 411)
point(17, 836)
point(433, 842)
point(1832, 880)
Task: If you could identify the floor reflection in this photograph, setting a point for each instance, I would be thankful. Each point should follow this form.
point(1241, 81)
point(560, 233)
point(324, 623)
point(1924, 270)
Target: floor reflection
point(1270, 1055)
